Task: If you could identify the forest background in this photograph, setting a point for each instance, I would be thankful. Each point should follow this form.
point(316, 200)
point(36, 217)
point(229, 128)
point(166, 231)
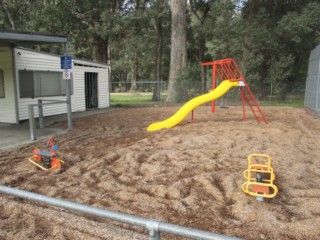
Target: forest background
point(270, 39)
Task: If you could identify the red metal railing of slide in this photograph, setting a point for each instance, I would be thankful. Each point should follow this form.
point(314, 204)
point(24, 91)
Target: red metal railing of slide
point(227, 69)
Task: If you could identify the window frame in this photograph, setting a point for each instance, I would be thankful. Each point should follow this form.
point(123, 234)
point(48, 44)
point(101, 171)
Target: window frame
point(36, 84)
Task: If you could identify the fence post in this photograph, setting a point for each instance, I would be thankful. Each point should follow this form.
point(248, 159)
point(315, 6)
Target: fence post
point(31, 122)
point(271, 93)
point(69, 108)
point(40, 108)
point(161, 91)
point(153, 228)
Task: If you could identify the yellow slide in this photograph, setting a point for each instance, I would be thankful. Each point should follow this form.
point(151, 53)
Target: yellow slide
point(192, 104)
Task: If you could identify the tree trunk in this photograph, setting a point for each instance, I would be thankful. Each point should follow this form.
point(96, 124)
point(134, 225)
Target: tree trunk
point(178, 58)
point(100, 51)
point(134, 74)
point(158, 60)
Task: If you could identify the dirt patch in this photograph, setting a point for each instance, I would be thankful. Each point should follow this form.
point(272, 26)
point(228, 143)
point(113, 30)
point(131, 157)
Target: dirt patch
point(190, 175)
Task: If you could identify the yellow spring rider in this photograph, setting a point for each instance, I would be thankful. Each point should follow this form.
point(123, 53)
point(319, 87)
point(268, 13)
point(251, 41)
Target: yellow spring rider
point(260, 177)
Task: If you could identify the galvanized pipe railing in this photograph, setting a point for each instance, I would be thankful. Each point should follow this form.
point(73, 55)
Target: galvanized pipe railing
point(153, 226)
point(40, 104)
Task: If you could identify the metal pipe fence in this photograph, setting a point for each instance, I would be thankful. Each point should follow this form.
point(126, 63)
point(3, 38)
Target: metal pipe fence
point(40, 104)
point(154, 227)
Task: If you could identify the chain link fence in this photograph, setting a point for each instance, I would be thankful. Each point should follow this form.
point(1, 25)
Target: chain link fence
point(312, 96)
point(142, 86)
point(231, 98)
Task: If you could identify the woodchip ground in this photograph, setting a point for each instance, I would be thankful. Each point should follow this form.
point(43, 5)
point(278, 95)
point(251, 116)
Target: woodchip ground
point(190, 175)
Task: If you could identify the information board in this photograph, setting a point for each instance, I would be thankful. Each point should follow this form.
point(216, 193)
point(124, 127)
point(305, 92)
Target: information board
point(66, 62)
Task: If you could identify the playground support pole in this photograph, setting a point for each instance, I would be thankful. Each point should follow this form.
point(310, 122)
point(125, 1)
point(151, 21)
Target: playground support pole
point(214, 85)
point(243, 103)
point(192, 116)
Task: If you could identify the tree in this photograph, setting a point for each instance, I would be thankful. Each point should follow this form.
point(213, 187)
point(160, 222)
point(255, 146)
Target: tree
point(271, 40)
point(88, 24)
point(201, 27)
point(137, 28)
point(158, 27)
point(178, 58)
point(277, 38)
point(298, 33)
point(135, 40)
point(13, 14)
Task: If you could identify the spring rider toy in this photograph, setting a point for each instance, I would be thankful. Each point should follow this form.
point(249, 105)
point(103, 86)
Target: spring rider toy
point(47, 159)
point(260, 177)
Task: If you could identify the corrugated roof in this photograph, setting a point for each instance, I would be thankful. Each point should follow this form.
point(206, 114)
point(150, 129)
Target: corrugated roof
point(29, 38)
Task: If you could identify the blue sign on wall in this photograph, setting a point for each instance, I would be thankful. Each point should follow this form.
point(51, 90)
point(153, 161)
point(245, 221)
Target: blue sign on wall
point(66, 62)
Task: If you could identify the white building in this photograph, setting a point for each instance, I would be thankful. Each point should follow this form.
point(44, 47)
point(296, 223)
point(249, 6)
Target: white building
point(27, 75)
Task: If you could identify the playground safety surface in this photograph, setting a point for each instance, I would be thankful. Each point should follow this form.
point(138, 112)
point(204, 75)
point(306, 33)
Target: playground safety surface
point(190, 175)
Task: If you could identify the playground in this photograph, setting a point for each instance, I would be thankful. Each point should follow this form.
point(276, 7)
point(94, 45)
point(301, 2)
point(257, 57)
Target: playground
point(190, 175)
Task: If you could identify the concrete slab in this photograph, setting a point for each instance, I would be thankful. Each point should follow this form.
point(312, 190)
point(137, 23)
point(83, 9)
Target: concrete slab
point(12, 135)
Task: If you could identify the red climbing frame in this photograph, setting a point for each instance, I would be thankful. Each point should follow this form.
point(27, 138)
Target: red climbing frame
point(227, 69)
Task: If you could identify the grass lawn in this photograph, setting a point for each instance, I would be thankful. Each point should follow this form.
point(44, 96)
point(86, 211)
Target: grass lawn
point(290, 103)
point(293, 100)
point(145, 99)
point(134, 99)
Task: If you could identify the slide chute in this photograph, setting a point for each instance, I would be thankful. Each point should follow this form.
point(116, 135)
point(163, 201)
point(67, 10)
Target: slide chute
point(175, 119)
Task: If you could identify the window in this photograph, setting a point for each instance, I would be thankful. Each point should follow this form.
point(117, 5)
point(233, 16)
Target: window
point(42, 84)
point(1, 85)
point(26, 84)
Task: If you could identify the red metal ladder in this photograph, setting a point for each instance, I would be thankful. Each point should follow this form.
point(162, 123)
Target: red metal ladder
point(248, 97)
point(227, 69)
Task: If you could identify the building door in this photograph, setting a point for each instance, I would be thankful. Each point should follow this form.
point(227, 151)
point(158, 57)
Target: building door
point(91, 89)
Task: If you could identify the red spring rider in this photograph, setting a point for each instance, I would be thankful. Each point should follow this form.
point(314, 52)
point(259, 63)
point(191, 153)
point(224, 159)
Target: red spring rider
point(47, 159)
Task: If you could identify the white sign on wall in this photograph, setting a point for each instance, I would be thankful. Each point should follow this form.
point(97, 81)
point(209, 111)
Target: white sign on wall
point(67, 74)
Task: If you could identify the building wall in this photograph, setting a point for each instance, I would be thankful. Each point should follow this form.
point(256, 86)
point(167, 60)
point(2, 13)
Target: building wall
point(31, 60)
point(103, 80)
point(7, 104)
